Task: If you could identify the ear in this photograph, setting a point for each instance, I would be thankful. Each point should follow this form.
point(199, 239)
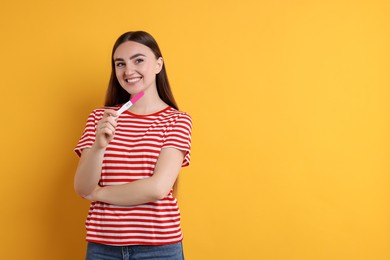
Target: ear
point(159, 65)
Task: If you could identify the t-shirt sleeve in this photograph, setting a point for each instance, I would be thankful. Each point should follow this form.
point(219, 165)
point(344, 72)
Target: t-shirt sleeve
point(178, 136)
point(88, 137)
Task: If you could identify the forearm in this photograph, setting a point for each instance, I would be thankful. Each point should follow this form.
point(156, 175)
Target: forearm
point(88, 171)
point(145, 190)
point(133, 193)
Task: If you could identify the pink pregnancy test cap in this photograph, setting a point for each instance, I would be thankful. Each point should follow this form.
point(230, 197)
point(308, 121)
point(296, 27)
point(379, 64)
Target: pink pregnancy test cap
point(138, 96)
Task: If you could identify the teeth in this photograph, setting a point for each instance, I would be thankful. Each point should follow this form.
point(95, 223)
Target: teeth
point(132, 80)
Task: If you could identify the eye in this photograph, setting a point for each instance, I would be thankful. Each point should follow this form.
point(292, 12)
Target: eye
point(119, 64)
point(138, 61)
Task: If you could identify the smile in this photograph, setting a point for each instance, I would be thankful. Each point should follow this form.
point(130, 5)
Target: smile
point(133, 80)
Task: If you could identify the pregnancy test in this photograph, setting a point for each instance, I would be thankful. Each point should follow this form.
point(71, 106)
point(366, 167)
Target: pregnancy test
point(128, 104)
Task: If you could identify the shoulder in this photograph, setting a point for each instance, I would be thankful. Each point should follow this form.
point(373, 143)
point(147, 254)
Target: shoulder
point(170, 111)
point(178, 115)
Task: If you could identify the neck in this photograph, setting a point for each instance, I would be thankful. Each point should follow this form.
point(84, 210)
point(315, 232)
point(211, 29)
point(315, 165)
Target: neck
point(150, 103)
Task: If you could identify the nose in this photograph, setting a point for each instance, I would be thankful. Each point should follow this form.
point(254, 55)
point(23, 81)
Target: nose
point(129, 69)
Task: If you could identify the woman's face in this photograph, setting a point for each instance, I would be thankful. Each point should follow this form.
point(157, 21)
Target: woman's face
point(136, 67)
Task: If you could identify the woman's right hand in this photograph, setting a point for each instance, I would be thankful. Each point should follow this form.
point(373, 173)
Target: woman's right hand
point(105, 129)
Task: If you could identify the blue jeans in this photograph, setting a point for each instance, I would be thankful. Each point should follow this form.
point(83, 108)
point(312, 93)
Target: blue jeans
point(105, 252)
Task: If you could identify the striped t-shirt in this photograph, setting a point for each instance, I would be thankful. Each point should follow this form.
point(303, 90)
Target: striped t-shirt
point(130, 156)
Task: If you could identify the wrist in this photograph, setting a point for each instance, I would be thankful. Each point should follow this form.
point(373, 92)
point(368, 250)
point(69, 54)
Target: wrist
point(97, 148)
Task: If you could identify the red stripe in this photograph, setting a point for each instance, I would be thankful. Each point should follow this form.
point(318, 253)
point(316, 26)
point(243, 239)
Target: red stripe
point(127, 168)
point(130, 209)
point(131, 219)
point(166, 202)
point(147, 243)
point(134, 231)
point(132, 237)
point(132, 214)
point(134, 177)
point(125, 174)
point(108, 181)
point(133, 226)
point(128, 156)
point(133, 161)
point(109, 148)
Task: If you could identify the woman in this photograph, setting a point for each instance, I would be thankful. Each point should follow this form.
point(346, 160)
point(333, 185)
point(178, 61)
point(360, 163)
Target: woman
point(129, 163)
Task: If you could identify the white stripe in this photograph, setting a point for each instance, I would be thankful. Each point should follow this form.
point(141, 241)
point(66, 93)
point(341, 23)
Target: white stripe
point(138, 148)
point(132, 141)
point(148, 161)
point(141, 207)
point(177, 144)
point(113, 178)
point(177, 229)
point(123, 153)
point(128, 172)
point(179, 135)
point(116, 183)
point(120, 213)
point(91, 222)
point(140, 218)
point(127, 166)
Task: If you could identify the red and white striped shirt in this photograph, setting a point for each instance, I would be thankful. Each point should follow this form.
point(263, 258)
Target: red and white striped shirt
point(130, 156)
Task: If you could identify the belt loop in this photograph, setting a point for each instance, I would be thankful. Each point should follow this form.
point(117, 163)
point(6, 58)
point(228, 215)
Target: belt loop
point(125, 253)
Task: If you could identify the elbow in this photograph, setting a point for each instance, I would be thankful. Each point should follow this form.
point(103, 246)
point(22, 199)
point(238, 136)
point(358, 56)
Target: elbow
point(80, 191)
point(160, 192)
point(160, 187)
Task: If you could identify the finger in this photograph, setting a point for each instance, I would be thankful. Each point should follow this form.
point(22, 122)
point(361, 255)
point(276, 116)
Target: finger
point(109, 133)
point(112, 121)
point(106, 125)
point(110, 113)
point(107, 121)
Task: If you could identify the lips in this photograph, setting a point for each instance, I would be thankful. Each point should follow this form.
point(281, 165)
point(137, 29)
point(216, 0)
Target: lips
point(133, 80)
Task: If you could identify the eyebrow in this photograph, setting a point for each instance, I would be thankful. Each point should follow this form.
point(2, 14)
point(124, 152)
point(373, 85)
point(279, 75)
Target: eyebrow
point(132, 57)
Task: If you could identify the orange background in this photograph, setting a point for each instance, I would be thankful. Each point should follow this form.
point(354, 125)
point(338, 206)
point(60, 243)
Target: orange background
point(290, 103)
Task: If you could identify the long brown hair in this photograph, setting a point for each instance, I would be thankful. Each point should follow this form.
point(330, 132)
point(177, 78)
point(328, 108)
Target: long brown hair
point(116, 94)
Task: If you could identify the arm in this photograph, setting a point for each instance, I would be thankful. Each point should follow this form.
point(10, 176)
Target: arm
point(88, 171)
point(145, 190)
point(90, 165)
